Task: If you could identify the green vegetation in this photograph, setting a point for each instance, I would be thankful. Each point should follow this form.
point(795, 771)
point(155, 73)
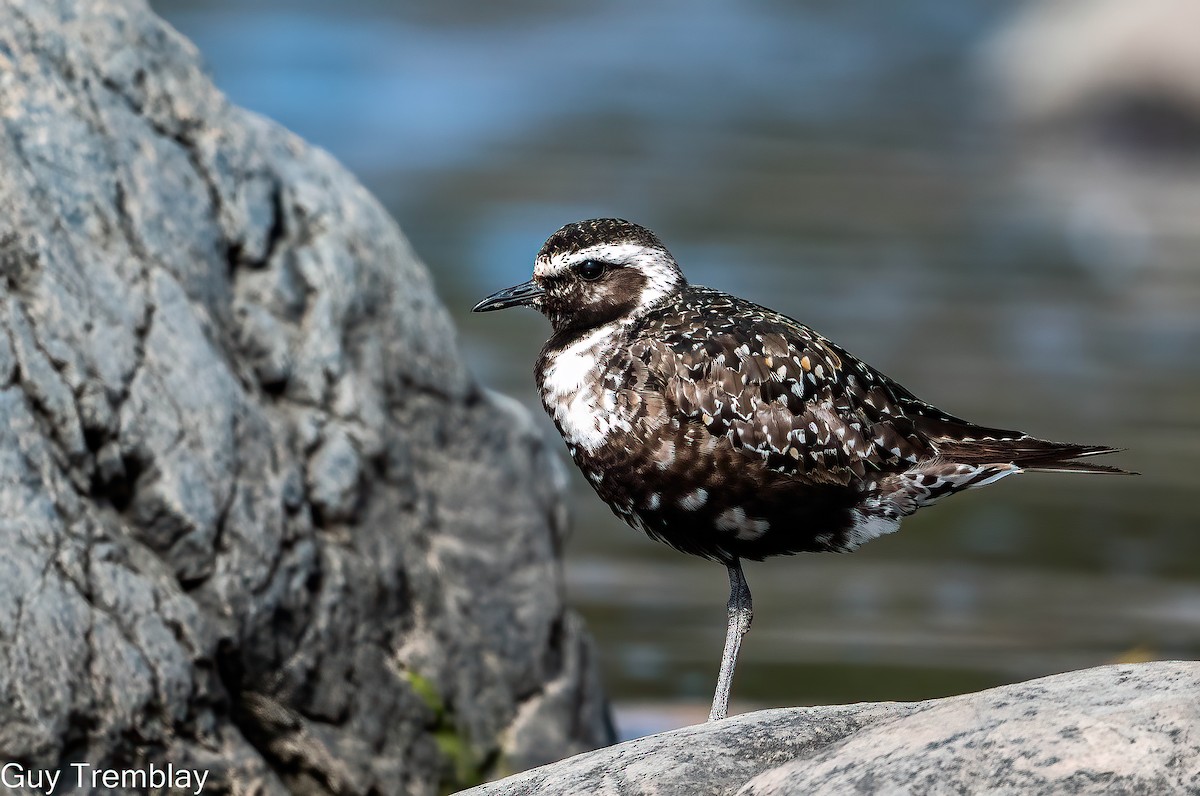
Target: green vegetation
point(462, 766)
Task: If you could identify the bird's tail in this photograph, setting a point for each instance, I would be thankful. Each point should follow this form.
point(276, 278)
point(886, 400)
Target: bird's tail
point(1063, 459)
point(969, 443)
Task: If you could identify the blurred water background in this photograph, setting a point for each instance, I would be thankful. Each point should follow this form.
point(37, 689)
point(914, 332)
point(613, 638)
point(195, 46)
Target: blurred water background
point(985, 202)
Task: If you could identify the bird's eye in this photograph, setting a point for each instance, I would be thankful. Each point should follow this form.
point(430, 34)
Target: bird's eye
point(591, 270)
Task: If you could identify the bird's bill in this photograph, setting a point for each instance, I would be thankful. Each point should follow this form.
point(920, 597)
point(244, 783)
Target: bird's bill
point(520, 295)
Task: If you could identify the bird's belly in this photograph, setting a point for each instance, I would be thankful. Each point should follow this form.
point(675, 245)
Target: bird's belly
point(697, 493)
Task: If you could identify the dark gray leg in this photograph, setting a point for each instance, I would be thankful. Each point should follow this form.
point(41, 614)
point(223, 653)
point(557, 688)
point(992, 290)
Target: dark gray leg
point(741, 613)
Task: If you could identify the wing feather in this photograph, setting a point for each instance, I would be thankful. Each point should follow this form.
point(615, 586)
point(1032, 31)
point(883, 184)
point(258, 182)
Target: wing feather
point(779, 391)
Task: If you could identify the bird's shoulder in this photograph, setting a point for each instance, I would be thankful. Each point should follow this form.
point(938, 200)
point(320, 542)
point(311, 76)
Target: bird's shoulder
point(776, 388)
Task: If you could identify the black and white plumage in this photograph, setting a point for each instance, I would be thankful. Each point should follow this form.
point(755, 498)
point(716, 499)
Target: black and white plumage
point(730, 431)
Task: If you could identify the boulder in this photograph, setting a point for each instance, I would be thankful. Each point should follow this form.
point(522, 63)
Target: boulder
point(256, 517)
point(1127, 729)
point(1097, 110)
point(1134, 67)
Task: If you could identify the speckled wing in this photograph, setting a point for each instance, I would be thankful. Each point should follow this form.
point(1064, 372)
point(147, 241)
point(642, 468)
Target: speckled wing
point(780, 391)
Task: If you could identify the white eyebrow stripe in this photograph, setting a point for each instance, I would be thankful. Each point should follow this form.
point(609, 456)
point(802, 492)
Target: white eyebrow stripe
point(655, 263)
point(616, 253)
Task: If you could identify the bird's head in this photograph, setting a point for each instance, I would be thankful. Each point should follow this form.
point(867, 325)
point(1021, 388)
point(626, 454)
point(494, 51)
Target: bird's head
point(590, 273)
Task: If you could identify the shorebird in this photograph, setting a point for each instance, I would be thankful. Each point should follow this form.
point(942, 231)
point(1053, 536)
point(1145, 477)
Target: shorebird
point(730, 431)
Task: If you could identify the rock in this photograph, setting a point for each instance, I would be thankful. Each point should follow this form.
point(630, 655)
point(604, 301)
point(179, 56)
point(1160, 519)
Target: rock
point(1128, 729)
point(257, 517)
point(1097, 104)
point(1060, 62)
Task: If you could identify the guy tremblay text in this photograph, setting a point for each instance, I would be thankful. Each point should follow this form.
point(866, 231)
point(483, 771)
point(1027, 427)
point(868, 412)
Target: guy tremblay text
point(85, 775)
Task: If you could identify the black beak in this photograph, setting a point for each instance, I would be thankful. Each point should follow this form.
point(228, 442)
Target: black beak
point(518, 295)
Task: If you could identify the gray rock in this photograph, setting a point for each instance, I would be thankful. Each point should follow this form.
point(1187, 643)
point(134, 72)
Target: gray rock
point(256, 517)
point(1097, 107)
point(1128, 729)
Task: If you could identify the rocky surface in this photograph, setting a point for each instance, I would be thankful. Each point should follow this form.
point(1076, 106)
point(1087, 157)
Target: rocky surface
point(255, 516)
point(1128, 729)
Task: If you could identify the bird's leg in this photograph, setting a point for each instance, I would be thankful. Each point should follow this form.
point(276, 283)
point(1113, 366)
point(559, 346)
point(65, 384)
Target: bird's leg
point(741, 613)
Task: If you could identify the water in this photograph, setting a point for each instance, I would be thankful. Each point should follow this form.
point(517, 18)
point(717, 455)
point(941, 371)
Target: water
point(843, 163)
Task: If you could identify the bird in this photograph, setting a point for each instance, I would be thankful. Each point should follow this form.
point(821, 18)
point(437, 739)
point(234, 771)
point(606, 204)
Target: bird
point(733, 432)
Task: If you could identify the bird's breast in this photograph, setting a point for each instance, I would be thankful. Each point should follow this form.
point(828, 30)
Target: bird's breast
point(577, 393)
